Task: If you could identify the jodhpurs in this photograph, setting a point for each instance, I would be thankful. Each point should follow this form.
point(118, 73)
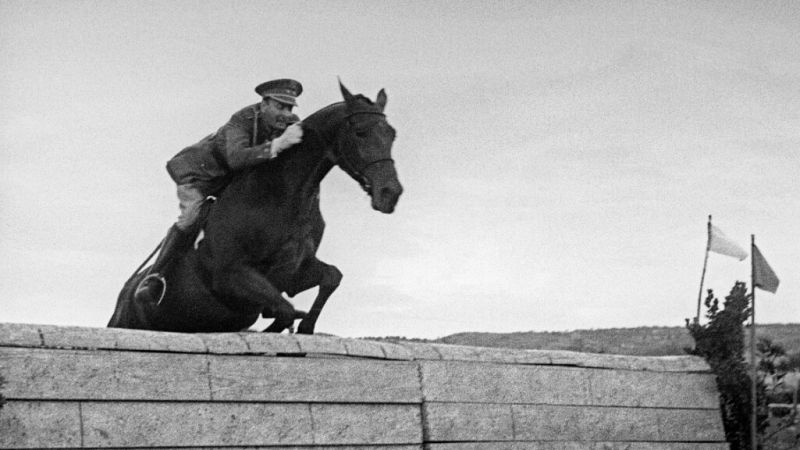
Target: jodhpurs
point(190, 199)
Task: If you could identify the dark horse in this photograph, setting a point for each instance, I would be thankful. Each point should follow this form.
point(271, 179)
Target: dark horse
point(262, 234)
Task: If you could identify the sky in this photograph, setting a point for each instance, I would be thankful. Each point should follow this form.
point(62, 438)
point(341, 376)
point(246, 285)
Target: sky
point(559, 159)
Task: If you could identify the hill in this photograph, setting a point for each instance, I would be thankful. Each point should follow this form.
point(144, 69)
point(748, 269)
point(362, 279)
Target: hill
point(641, 341)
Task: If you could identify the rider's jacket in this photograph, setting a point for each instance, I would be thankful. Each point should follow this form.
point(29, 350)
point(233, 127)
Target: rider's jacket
point(243, 141)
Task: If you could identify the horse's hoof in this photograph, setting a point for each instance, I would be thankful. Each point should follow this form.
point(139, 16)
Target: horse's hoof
point(305, 328)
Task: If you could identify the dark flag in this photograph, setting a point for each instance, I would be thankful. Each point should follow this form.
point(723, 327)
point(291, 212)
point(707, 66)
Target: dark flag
point(763, 275)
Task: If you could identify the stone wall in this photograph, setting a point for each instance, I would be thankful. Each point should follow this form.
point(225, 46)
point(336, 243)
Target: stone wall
point(77, 387)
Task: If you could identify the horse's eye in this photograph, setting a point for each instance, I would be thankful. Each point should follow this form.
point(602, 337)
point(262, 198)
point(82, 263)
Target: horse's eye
point(361, 134)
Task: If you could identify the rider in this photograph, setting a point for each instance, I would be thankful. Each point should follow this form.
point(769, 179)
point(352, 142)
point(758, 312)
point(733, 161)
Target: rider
point(255, 134)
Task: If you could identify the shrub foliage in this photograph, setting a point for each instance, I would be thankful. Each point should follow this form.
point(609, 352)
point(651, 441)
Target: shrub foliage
point(721, 343)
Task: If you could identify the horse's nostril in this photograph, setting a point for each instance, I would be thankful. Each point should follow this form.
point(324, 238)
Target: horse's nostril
point(389, 195)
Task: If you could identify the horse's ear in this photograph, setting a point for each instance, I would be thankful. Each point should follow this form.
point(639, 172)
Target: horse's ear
point(348, 97)
point(381, 100)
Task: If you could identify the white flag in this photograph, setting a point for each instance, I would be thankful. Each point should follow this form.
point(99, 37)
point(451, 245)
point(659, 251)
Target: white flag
point(719, 243)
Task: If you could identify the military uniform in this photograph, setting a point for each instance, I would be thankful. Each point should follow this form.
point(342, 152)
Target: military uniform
point(240, 143)
point(205, 168)
point(202, 169)
point(245, 140)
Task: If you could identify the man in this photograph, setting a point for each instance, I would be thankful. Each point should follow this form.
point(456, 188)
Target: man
point(253, 135)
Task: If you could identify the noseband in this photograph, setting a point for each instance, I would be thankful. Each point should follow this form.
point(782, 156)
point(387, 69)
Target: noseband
point(349, 166)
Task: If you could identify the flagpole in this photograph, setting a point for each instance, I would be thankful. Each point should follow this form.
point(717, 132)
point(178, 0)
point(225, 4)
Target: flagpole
point(753, 372)
point(703, 276)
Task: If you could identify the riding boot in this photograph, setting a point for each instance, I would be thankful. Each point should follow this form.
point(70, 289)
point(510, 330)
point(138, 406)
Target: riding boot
point(152, 288)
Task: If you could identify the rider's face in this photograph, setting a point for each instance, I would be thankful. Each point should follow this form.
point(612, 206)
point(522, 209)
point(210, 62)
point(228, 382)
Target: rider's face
point(275, 113)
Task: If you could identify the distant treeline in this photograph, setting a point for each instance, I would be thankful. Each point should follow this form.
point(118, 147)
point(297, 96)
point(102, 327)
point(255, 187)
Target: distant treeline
point(641, 341)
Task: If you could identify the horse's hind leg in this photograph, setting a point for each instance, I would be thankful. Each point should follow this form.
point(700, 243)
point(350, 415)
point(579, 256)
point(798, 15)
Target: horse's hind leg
point(316, 273)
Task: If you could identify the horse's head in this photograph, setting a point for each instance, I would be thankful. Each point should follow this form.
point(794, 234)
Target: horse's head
point(364, 149)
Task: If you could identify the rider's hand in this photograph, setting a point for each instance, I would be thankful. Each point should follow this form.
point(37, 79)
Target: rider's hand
point(291, 136)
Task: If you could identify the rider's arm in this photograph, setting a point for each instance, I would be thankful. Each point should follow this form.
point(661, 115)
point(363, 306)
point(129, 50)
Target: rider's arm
point(234, 146)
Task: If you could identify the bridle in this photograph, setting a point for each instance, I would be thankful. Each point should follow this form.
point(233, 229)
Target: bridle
point(350, 166)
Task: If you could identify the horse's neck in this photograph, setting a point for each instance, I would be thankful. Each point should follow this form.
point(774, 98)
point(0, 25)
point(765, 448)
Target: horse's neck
point(316, 155)
point(310, 167)
point(304, 166)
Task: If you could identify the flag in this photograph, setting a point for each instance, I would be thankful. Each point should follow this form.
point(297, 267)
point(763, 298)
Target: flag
point(719, 243)
point(763, 276)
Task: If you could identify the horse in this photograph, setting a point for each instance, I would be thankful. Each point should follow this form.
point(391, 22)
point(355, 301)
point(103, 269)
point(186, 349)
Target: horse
point(261, 234)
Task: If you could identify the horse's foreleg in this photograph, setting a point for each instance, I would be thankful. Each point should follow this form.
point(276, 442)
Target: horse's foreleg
point(327, 277)
point(248, 285)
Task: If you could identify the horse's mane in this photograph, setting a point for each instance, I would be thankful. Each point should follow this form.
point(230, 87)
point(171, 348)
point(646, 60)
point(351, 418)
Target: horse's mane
point(330, 109)
point(333, 106)
point(332, 114)
point(319, 126)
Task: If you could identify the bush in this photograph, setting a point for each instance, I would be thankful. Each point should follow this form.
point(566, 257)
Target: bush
point(792, 361)
point(721, 343)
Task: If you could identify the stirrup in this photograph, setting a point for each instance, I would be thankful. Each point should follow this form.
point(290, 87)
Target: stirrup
point(157, 277)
